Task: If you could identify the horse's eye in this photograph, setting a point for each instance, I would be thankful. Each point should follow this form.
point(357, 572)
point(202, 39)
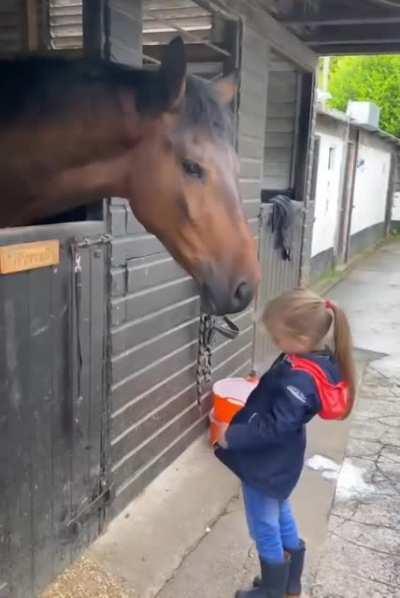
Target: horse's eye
point(193, 169)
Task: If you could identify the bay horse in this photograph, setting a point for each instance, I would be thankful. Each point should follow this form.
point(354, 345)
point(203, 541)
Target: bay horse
point(76, 130)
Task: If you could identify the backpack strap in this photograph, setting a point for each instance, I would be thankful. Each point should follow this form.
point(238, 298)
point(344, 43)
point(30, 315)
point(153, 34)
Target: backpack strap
point(334, 398)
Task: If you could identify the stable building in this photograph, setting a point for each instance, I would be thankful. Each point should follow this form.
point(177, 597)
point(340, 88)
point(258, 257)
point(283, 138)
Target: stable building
point(107, 392)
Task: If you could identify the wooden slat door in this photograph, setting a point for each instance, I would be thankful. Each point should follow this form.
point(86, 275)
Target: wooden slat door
point(52, 404)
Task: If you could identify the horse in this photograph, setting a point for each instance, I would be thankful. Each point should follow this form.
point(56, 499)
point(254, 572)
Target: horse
point(76, 130)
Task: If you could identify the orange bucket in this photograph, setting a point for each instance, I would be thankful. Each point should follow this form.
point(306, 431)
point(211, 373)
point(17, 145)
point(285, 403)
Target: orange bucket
point(229, 396)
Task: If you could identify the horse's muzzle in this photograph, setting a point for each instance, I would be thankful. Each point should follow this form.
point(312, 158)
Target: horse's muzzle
point(220, 299)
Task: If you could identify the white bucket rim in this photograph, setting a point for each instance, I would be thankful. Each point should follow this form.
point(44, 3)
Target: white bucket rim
point(245, 387)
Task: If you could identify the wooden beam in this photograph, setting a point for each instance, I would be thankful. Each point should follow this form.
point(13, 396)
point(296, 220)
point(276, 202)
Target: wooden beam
point(356, 42)
point(279, 37)
point(123, 30)
point(170, 13)
point(173, 4)
point(369, 34)
point(344, 21)
point(194, 53)
point(305, 113)
point(347, 17)
point(164, 37)
point(93, 18)
point(159, 22)
point(357, 49)
point(31, 11)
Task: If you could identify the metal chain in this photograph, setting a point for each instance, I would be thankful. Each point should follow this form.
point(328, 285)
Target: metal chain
point(208, 328)
point(203, 371)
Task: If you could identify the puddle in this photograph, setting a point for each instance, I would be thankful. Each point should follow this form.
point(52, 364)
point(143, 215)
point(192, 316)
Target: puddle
point(328, 468)
point(351, 483)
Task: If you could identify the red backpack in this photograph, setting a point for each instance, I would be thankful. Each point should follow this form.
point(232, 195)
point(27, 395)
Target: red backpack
point(335, 398)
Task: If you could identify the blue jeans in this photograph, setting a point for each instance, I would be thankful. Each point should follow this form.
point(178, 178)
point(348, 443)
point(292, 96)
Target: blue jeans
point(271, 525)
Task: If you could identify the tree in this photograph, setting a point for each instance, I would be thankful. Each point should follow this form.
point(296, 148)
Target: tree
point(369, 78)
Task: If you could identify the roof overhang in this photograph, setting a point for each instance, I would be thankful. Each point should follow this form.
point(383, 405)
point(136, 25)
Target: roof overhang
point(333, 27)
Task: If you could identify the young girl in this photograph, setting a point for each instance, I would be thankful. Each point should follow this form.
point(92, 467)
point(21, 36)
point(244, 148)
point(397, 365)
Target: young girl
point(265, 443)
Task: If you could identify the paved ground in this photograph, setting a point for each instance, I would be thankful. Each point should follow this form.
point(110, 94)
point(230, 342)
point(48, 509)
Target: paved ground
point(186, 537)
point(371, 295)
point(361, 557)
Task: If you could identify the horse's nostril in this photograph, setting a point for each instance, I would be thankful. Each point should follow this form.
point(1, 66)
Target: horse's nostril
point(243, 295)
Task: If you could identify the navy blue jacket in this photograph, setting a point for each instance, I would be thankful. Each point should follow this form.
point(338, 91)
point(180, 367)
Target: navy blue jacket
point(267, 438)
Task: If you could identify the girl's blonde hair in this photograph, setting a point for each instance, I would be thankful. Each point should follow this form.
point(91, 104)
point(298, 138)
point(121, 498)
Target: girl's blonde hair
point(305, 314)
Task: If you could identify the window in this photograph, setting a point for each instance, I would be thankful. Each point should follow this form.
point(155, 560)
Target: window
point(331, 158)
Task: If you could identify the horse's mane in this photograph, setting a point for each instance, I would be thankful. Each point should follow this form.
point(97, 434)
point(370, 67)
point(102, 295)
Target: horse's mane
point(203, 110)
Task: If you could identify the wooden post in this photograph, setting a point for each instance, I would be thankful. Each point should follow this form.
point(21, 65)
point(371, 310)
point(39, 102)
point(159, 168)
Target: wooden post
point(31, 12)
point(95, 35)
point(304, 171)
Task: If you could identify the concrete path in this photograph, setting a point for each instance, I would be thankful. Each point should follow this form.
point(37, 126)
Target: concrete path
point(185, 537)
point(361, 557)
point(371, 296)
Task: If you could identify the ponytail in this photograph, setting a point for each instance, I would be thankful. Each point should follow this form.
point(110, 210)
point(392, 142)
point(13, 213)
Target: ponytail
point(305, 314)
point(344, 351)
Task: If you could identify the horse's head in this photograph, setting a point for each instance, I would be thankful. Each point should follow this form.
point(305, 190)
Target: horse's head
point(186, 188)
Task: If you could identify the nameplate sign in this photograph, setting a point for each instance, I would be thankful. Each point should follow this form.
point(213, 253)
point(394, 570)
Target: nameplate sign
point(29, 256)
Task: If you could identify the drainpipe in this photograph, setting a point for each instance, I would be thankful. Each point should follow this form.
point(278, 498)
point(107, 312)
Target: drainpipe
point(391, 191)
point(351, 198)
point(337, 250)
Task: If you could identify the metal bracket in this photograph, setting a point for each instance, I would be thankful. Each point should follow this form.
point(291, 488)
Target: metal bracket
point(102, 499)
point(102, 239)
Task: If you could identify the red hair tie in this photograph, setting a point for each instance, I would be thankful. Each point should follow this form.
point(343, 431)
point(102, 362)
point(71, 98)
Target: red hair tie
point(329, 304)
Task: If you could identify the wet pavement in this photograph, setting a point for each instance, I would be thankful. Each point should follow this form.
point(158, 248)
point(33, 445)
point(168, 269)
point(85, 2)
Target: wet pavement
point(361, 557)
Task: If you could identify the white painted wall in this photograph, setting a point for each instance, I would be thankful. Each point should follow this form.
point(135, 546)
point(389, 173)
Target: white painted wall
point(327, 193)
point(370, 190)
point(371, 186)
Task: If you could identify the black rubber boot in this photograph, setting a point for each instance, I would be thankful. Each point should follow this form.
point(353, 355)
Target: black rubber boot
point(296, 570)
point(274, 580)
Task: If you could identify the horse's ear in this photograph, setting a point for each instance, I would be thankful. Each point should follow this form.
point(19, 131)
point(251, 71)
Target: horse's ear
point(225, 89)
point(173, 72)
